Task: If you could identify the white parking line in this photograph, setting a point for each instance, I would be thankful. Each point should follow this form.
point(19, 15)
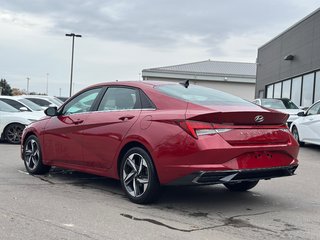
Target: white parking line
point(24, 172)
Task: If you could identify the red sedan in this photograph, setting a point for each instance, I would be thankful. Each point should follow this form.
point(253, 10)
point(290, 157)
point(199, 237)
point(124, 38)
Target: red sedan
point(149, 134)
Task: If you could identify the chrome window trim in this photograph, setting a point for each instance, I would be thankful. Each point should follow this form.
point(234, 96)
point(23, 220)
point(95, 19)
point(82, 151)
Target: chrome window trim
point(125, 110)
point(72, 114)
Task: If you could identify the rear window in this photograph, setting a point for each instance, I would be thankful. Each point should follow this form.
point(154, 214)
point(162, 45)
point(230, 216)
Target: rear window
point(278, 103)
point(201, 95)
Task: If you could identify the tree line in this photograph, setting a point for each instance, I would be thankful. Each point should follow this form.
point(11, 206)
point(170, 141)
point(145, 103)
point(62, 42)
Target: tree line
point(5, 89)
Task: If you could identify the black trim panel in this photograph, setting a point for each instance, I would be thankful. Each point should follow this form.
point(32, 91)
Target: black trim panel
point(229, 176)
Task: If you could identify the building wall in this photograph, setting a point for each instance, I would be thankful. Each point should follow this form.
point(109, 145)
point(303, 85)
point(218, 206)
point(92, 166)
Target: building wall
point(243, 90)
point(303, 42)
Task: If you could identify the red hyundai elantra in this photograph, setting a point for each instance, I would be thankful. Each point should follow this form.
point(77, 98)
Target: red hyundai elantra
point(149, 134)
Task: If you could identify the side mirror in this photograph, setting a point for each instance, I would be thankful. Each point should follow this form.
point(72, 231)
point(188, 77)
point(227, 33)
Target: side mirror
point(51, 111)
point(24, 109)
point(301, 114)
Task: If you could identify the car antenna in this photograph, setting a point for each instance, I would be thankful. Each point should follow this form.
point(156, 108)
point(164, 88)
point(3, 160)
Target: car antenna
point(185, 83)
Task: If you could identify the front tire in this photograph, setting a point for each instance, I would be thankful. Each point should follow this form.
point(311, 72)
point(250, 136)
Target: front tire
point(13, 132)
point(296, 136)
point(32, 156)
point(241, 186)
point(138, 176)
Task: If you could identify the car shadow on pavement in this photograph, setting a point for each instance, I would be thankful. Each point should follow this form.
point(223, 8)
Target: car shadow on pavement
point(209, 196)
point(311, 146)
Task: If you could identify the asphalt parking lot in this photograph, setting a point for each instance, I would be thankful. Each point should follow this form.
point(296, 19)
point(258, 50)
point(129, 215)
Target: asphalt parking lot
point(71, 205)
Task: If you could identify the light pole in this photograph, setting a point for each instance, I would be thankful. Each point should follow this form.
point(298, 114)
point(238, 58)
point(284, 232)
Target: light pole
point(28, 79)
point(47, 83)
point(72, 53)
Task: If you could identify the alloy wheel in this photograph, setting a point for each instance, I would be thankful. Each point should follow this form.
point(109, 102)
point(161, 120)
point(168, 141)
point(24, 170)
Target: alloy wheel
point(295, 134)
point(32, 154)
point(13, 133)
point(136, 175)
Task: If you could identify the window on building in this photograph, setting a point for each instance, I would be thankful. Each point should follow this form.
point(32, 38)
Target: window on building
point(277, 90)
point(270, 91)
point(286, 89)
point(307, 90)
point(296, 90)
point(317, 87)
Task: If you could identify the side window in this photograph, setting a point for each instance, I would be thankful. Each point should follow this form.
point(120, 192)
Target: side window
point(40, 102)
point(120, 98)
point(146, 102)
point(81, 103)
point(14, 103)
point(314, 110)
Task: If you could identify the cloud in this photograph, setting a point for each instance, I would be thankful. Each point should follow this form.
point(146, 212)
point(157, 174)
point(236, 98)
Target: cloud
point(122, 37)
point(163, 23)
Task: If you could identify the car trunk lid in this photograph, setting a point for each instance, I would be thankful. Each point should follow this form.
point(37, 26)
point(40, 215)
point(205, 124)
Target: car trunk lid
point(240, 127)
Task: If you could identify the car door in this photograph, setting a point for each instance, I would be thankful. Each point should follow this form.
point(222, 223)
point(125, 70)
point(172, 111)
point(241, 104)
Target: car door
point(310, 125)
point(106, 128)
point(62, 137)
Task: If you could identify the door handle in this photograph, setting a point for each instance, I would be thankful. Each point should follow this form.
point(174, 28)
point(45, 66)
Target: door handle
point(127, 117)
point(78, 121)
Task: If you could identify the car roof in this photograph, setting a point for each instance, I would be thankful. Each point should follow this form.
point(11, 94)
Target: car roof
point(11, 97)
point(133, 83)
point(274, 98)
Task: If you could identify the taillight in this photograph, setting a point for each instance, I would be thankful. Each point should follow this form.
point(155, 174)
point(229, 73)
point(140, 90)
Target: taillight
point(196, 128)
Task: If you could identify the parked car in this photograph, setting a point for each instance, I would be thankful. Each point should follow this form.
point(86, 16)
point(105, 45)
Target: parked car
point(149, 134)
point(281, 104)
point(63, 99)
point(22, 104)
point(44, 101)
point(306, 129)
point(13, 121)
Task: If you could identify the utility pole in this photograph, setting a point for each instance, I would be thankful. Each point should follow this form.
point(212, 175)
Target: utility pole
point(28, 79)
point(47, 83)
point(72, 54)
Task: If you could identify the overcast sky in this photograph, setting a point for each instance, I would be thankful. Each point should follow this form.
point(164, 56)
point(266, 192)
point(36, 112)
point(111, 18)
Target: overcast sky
point(120, 38)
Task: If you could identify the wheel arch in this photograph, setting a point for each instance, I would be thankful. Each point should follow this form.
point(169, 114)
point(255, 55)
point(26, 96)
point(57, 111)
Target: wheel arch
point(301, 140)
point(294, 126)
point(28, 134)
point(128, 146)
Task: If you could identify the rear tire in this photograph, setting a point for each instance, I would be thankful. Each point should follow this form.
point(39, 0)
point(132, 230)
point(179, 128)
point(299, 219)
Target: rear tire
point(32, 156)
point(295, 134)
point(241, 186)
point(138, 176)
point(13, 132)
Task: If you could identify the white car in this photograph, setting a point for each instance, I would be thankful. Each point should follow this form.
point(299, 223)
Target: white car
point(13, 121)
point(306, 129)
point(44, 101)
point(284, 105)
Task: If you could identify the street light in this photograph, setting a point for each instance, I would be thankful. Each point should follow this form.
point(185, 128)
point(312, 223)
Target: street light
point(72, 53)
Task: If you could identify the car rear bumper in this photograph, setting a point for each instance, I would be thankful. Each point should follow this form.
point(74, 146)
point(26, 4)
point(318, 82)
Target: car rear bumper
point(229, 176)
